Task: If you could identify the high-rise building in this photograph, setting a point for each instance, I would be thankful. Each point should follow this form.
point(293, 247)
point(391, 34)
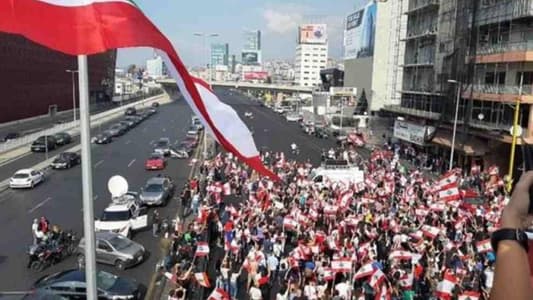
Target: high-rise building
point(311, 54)
point(375, 70)
point(251, 51)
point(219, 54)
point(480, 52)
point(36, 83)
point(155, 67)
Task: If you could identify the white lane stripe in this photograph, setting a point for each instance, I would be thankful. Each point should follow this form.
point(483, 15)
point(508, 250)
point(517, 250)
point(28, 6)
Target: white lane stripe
point(128, 141)
point(131, 163)
point(98, 163)
point(164, 129)
point(39, 204)
point(72, 3)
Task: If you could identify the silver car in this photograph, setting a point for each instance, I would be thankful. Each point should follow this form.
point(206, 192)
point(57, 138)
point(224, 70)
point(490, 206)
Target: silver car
point(162, 146)
point(157, 191)
point(113, 249)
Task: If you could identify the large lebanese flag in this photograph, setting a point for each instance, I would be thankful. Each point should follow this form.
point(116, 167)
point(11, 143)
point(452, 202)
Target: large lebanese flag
point(93, 26)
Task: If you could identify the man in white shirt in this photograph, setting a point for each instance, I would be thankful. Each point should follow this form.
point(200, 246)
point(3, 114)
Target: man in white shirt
point(344, 290)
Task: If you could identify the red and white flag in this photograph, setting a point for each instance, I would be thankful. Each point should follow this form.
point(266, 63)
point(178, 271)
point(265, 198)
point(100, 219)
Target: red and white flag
point(430, 231)
point(202, 279)
point(84, 27)
point(449, 180)
point(401, 255)
point(289, 223)
point(483, 246)
point(329, 275)
point(227, 189)
point(406, 281)
point(219, 294)
point(446, 286)
point(437, 206)
point(341, 265)
point(330, 209)
point(469, 295)
point(377, 278)
point(450, 194)
point(364, 271)
point(202, 249)
point(383, 293)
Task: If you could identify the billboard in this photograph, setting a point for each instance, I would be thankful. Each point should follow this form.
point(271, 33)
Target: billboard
point(414, 133)
point(360, 32)
point(250, 57)
point(312, 34)
point(258, 75)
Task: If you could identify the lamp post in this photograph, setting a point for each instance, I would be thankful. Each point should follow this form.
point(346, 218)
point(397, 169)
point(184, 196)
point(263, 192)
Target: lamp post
point(73, 91)
point(514, 134)
point(458, 97)
point(205, 37)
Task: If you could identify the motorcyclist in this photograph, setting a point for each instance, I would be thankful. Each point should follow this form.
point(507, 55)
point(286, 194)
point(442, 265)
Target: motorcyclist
point(294, 148)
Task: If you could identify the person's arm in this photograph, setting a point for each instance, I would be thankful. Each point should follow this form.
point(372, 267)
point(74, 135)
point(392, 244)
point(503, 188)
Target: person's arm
point(511, 277)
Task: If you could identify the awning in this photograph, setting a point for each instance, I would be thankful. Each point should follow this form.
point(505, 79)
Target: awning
point(472, 146)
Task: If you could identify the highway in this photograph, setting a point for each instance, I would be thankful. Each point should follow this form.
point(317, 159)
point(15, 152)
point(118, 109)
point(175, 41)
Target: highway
point(59, 197)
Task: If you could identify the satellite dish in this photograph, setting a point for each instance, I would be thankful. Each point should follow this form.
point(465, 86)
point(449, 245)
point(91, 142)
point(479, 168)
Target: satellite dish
point(117, 186)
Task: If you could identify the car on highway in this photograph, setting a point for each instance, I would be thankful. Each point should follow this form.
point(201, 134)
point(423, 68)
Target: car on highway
point(71, 284)
point(196, 121)
point(26, 178)
point(162, 146)
point(130, 111)
point(113, 249)
point(155, 104)
point(43, 143)
point(129, 124)
point(293, 117)
point(123, 218)
point(66, 160)
point(117, 130)
point(157, 191)
point(63, 138)
point(10, 136)
point(156, 161)
point(103, 138)
point(137, 119)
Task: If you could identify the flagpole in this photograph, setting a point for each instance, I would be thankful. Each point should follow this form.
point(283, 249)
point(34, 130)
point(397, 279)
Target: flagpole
point(87, 180)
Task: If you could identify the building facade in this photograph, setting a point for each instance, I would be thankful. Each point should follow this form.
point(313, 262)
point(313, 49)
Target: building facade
point(311, 54)
point(219, 54)
point(36, 82)
point(251, 52)
point(155, 67)
point(477, 51)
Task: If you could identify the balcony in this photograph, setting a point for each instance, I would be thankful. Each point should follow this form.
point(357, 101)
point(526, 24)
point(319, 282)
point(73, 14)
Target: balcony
point(507, 52)
point(412, 112)
point(419, 5)
point(500, 93)
point(430, 33)
point(504, 11)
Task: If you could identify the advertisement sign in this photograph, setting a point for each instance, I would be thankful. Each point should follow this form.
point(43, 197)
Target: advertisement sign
point(414, 133)
point(343, 91)
point(312, 34)
point(261, 75)
point(360, 32)
point(250, 57)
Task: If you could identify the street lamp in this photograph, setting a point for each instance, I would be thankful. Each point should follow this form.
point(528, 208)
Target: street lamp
point(73, 91)
point(205, 37)
point(455, 119)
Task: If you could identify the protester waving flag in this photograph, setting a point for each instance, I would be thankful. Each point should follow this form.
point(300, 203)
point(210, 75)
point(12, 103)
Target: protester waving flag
point(93, 26)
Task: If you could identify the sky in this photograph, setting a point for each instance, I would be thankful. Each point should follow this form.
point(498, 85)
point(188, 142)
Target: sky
point(277, 19)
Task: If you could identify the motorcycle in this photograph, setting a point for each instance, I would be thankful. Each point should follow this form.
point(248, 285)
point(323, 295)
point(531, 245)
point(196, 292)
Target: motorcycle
point(42, 256)
point(295, 151)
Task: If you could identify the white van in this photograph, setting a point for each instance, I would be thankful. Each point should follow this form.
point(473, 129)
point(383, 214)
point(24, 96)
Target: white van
point(337, 171)
point(123, 218)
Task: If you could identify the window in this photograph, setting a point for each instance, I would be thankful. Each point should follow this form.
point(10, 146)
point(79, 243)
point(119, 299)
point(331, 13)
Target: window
point(306, 72)
point(528, 78)
point(102, 245)
point(495, 78)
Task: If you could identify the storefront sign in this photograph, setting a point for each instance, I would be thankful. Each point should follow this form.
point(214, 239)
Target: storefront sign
point(414, 133)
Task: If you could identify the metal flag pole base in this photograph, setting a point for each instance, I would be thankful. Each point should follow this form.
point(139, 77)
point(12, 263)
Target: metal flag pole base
point(87, 180)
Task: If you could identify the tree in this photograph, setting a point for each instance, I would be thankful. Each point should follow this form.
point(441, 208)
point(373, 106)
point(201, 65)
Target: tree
point(131, 69)
point(362, 104)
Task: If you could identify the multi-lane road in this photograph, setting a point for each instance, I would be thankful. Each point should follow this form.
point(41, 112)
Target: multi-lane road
point(59, 197)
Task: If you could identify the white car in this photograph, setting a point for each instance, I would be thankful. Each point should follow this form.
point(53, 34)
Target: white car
point(122, 218)
point(293, 117)
point(248, 114)
point(26, 178)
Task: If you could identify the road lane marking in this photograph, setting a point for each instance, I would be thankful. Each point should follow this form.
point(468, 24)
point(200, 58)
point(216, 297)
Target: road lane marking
point(98, 163)
point(128, 141)
point(40, 204)
point(164, 129)
point(131, 162)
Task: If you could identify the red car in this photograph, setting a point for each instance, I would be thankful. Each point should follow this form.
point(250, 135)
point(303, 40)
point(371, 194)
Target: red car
point(156, 161)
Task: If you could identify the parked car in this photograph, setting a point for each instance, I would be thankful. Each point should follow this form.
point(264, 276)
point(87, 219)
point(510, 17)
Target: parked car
point(43, 144)
point(66, 160)
point(130, 111)
point(117, 130)
point(156, 161)
point(63, 138)
point(129, 124)
point(137, 119)
point(10, 136)
point(157, 191)
point(123, 218)
point(69, 283)
point(162, 146)
point(321, 132)
point(103, 138)
point(113, 249)
point(26, 178)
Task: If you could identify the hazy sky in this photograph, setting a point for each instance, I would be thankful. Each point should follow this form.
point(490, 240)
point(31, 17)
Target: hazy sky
point(277, 20)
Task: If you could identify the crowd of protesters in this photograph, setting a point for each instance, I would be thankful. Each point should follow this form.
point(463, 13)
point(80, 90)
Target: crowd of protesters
point(397, 235)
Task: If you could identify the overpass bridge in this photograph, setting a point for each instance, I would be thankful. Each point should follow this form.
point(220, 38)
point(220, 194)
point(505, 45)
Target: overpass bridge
point(255, 89)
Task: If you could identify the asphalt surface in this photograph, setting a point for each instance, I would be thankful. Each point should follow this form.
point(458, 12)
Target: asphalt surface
point(59, 198)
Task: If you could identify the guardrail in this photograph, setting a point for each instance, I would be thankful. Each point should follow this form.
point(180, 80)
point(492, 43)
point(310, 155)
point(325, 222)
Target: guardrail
point(25, 140)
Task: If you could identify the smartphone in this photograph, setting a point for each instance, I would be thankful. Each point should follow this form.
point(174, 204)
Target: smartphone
point(527, 157)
